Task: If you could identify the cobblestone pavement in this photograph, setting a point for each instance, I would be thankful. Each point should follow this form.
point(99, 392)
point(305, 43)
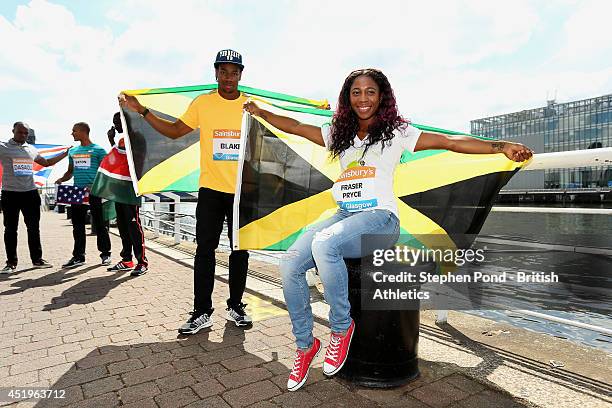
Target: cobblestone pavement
point(109, 339)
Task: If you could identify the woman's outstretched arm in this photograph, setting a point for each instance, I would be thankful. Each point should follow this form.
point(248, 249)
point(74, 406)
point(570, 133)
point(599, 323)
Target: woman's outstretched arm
point(466, 144)
point(287, 125)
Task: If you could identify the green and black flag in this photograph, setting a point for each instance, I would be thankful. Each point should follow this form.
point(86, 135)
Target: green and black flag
point(285, 185)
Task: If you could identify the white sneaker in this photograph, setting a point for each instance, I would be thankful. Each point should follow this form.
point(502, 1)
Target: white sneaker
point(196, 322)
point(237, 315)
point(8, 269)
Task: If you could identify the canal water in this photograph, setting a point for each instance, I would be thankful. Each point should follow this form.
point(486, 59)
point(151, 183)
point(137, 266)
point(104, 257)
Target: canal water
point(578, 230)
point(575, 230)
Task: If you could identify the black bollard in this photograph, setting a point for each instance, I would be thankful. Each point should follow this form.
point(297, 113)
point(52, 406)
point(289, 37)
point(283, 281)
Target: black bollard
point(384, 347)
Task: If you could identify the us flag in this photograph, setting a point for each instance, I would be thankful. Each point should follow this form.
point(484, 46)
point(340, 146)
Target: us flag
point(71, 195)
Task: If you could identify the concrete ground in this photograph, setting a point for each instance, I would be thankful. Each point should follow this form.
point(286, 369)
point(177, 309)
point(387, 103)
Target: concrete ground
point(107, 339)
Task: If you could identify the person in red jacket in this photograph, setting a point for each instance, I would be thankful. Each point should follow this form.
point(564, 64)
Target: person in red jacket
point(128, 215)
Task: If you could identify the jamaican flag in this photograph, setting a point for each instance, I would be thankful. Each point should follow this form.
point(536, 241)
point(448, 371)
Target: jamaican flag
point(159, 164)
point(286, 185)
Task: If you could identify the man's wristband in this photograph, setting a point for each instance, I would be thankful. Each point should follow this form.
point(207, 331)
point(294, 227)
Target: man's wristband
point(144, 112)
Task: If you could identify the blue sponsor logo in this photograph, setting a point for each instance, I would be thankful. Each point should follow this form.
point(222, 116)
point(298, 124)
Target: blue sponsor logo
point(22, 172)
point(224, 156)
point(357, 205)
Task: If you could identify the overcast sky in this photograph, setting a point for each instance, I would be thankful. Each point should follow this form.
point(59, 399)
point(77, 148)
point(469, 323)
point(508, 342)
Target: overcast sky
point(448, 61)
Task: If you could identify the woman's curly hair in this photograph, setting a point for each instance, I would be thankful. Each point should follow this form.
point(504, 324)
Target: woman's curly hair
point(345, 123)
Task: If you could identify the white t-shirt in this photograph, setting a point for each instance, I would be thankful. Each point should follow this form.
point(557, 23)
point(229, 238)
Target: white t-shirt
point(366, 182)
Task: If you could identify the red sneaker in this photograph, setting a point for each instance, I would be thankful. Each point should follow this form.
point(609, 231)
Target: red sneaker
point(122, 266)
point(337, 350)
point(301, 365)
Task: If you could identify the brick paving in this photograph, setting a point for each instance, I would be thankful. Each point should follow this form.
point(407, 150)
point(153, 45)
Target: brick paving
point(108, 339)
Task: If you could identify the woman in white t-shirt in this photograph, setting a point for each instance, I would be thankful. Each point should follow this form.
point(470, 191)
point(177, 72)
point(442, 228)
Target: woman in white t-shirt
point(368, 136)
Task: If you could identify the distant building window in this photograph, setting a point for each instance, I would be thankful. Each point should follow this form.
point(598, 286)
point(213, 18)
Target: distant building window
point(585, 124)
point(595, 145)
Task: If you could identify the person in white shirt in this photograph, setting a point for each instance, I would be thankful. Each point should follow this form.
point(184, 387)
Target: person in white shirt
point(368, 136)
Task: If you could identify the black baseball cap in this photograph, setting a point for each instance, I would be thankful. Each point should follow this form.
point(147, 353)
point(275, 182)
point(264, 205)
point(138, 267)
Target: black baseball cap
point(228, 57)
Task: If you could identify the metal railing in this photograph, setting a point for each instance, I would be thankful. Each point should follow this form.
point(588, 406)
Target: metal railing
point(153, 220)
point(577, 190)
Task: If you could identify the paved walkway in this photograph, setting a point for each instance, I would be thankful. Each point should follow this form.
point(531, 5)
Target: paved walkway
point(108, 339)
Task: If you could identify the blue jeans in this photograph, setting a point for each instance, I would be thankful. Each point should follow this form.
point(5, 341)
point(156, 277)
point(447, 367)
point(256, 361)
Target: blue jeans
point(324, 245)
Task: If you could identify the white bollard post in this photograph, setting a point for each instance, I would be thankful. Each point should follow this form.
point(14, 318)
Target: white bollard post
point(156, 224)
point(441, 316)
point(177, 220)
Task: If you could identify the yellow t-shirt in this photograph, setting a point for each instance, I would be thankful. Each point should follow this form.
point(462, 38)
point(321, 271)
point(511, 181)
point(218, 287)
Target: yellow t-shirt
point(219, 121)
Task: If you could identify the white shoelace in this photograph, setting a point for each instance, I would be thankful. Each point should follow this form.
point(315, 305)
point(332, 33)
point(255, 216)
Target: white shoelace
point(299, 358)
point(201, 319)
point(333, 348)
point(238, 311)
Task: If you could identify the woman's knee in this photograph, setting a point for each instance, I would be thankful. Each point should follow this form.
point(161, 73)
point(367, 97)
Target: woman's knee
point(291, 264)
point(323, 245)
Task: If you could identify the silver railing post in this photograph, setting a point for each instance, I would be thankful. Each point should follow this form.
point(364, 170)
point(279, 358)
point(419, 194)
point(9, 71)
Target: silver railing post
point(177, 218)
point(156, 226)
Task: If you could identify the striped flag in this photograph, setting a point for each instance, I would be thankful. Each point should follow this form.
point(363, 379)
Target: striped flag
point(41, 174)
point(113, 181)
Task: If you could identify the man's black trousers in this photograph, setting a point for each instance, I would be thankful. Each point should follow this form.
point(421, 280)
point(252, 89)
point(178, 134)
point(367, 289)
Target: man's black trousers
point(28, 203)
point(130, 231)
point(213, 208)
point(79, 219)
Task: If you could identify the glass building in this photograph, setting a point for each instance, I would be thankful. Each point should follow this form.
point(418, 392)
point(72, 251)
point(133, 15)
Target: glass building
point(557, 127)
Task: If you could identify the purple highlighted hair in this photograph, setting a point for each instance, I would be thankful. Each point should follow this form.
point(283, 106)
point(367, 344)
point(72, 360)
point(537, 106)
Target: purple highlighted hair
point(345, 123)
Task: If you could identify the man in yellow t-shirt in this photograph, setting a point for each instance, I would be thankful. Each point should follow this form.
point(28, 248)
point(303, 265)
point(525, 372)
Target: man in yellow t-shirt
point(218, 115)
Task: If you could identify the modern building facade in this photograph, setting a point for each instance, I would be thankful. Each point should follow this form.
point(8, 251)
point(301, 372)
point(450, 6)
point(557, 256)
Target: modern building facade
point(557, 127)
